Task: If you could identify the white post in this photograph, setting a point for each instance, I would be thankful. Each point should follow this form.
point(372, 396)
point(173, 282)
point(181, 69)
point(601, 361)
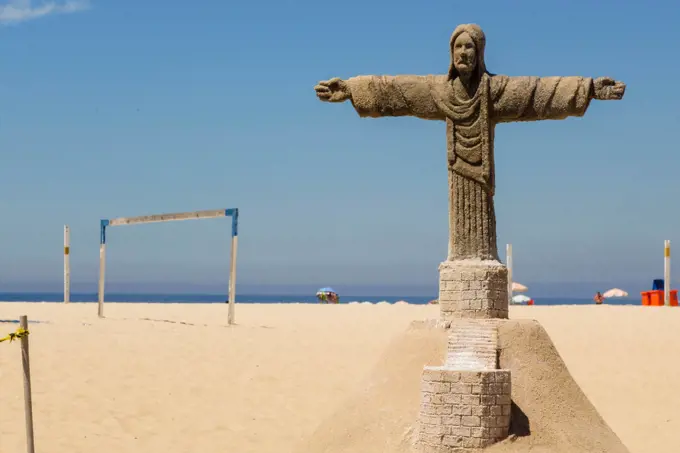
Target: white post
point(232, 279)
point(67, 264)
point(667, 273)
point(508, 257)
point(102, 272)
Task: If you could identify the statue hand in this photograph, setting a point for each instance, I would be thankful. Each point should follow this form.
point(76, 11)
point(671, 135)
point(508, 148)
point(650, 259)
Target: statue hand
point(333, 90)
point(608, 89)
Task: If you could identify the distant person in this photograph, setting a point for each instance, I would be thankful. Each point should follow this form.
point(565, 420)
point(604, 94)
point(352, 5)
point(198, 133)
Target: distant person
point(599, 298)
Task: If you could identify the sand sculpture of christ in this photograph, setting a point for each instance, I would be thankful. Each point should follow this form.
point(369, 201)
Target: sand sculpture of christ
point(471, 101)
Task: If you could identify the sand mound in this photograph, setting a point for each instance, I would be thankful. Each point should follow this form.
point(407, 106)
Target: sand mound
point(550, 413)
point(377, 419)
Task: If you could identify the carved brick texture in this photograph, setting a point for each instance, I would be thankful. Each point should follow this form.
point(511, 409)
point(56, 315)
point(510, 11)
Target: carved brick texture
point(476, 289)
point(462, 411)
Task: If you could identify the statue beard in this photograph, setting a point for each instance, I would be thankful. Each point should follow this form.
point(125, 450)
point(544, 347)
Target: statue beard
point(468, 78)
point(466, 72)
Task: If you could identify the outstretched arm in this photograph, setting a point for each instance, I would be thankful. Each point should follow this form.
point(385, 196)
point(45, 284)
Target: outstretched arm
point(376, 96)
point(548, 98)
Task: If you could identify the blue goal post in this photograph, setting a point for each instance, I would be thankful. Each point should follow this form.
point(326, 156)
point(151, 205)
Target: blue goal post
point(233, 213)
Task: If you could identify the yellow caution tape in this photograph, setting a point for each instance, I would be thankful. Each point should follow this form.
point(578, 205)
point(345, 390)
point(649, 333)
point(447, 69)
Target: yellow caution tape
point(20, 333)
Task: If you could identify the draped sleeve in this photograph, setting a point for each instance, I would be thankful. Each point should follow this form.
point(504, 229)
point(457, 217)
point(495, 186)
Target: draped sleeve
point(402, 95)
point(539, 98)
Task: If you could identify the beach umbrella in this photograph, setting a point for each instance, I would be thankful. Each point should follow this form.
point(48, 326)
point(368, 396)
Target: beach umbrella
point(519, 288)
point(325, 290)
point(520, 299)
point(615, 292)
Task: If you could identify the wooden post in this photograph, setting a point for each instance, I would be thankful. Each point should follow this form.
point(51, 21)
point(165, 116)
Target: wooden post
point(28, 403)
point(667, 273)
point(508, 258)
point(67, 264)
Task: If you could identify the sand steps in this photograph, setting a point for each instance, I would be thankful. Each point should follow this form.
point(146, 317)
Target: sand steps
point(472, 345)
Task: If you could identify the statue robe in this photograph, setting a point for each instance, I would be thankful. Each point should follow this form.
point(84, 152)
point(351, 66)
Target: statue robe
point(470, 127)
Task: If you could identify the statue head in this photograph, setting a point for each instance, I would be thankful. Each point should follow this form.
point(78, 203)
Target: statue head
point(467, 52)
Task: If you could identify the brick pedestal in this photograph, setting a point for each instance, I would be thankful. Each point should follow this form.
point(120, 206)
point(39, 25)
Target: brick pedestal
point(462, 411)
point(473, 289)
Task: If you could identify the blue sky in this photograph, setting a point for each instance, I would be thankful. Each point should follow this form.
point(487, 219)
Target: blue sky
point(123, 108)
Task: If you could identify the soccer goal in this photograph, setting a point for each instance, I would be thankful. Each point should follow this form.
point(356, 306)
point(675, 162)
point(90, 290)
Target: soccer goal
point(233, 213)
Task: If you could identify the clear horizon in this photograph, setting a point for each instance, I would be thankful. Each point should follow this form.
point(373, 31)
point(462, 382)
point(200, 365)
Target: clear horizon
point(129, 108)
point(536, 289)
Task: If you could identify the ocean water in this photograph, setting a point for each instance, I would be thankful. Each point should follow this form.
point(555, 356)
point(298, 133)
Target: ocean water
point(266, 299)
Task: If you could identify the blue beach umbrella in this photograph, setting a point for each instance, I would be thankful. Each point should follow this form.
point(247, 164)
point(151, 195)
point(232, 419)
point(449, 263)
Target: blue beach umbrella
point(327, 295)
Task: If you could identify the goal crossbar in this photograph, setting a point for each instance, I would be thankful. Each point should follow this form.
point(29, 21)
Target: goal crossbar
point(209, 214)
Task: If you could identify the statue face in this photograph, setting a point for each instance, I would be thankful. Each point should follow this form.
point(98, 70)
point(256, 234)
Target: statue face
point(464, 55)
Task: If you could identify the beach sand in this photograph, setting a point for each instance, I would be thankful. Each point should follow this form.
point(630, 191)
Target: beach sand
point(298, 378)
